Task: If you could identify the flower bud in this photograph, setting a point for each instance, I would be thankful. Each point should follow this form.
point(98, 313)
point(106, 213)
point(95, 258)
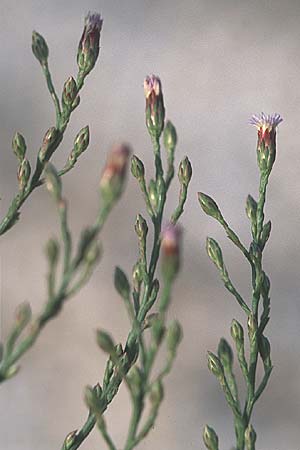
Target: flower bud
point(52, 251)
point(210, 438)
point(39, 48)
point(214, 365)
point(114, 173)
point(266, 143)
point(121, 283)
point(155, 110)
point(174, 336)
point(158, 330)
point(170, 137)
point(23, 175)
point(105, 342)
point(252, 326)
point(50, 141)
point(156, 393)
point(141, 227)
point(81, 141)
point(251, 208)
point(250, 438)
point(69, 92)
point(53, 181)
point(153, 196)
point(93, 254)
point(170, 247)
point(237, 333)
point(137, 168)
point(265, 350)
point(266, 231)
point(135, 379)
point(209, 206)
point(19, 146)
point(185, 171)
point(266, 285)
point(225, 353)
point(70, 440)
point(137, 276)
point(88, 49)
point(215, 253)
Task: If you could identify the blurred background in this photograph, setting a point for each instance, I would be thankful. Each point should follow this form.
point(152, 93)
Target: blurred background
point(219, 62)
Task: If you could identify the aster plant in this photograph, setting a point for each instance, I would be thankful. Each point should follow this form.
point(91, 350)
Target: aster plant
point(257, 309)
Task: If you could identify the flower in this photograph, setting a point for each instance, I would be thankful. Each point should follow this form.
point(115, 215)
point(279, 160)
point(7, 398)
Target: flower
point(88, 49)
point(155, 110)
point(266, 125)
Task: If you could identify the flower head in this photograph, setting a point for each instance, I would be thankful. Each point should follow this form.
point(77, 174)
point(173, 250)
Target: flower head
point(88, 49)
point(266, 125)
point(170, 247)
point(155, 110)
point(114, 173)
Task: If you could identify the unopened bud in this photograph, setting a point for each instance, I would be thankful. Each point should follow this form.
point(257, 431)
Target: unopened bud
point(158, 330)
point(156, 393)
point(50, 141)
point(185, 172)
point(93, 254)
point(88, 49)
point(251, 209)
point(225, 353)
point(174, 336)
point(81, 142)
point(105, 342)
point(265, 350)
point(170, 137)
point(266, 231)
point(70, 440)
point(69, 92)
point(135, 379)
point(53, 181)
point(252, 326)
point(171, 249)
point(141, 227)
point(215, 253)
point(153, 196)
point(210, 438)
point(19, 146)
point(52, 251)
point(24, 171)
point(237, 332)
point(209, 206)
point(137, 276)
point(214, 365)
point(155, 110)
point(121, 283)
point(113, 176)
point(137, 168)
point(39, 48)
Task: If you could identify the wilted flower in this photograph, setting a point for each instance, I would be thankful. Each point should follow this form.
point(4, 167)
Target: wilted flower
point(266, 125)
point(88, 49)
point(170, 247)
point(114, 173)
point(155, 110)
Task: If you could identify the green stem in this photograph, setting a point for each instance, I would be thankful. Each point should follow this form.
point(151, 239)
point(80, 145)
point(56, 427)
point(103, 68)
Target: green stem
point(53, 94)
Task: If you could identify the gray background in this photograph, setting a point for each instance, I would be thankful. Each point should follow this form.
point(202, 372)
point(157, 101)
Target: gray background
point(219, 61)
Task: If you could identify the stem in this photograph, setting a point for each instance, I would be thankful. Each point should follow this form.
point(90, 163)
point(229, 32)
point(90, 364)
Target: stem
point(52, 92)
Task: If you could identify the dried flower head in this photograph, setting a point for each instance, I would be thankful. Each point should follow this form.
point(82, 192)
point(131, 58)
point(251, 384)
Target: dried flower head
point(113, 175)
point(266, 125)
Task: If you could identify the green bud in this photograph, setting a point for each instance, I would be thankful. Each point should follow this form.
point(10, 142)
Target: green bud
point(19, 146)
point(90, 398)
point(53, 181)
point(250, 438)
point(174, 336)
point(23, 314)
point(265, 350)
point(266, 231)
point(156, 392)
point(214, 365)
point(81, 141)
point(119, 350)
point(137, 276)
point(105, 342)
point(215, 253)
point(209, 206)
point(137, 168)
point(39, 48)
point(69, 92)
point(24, 172)
point(153, 195)
point(121, 283)
point(92, 254)
point(141, 227)
point(88, 48)
point(135, 379)
point(225, 353)
point(170, 137)
point(210, 438)
point(154, 290)
point(252, 326)
point(251, 209)
point(52, 251)
point(70, 440)
point(155, 110)
point(158, 331)
point(266, 285)
point(237, 332)
point(185, 172)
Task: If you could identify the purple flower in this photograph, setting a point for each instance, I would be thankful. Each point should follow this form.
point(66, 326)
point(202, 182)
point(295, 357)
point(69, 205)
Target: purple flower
point(88, 49)
point(266, 121)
